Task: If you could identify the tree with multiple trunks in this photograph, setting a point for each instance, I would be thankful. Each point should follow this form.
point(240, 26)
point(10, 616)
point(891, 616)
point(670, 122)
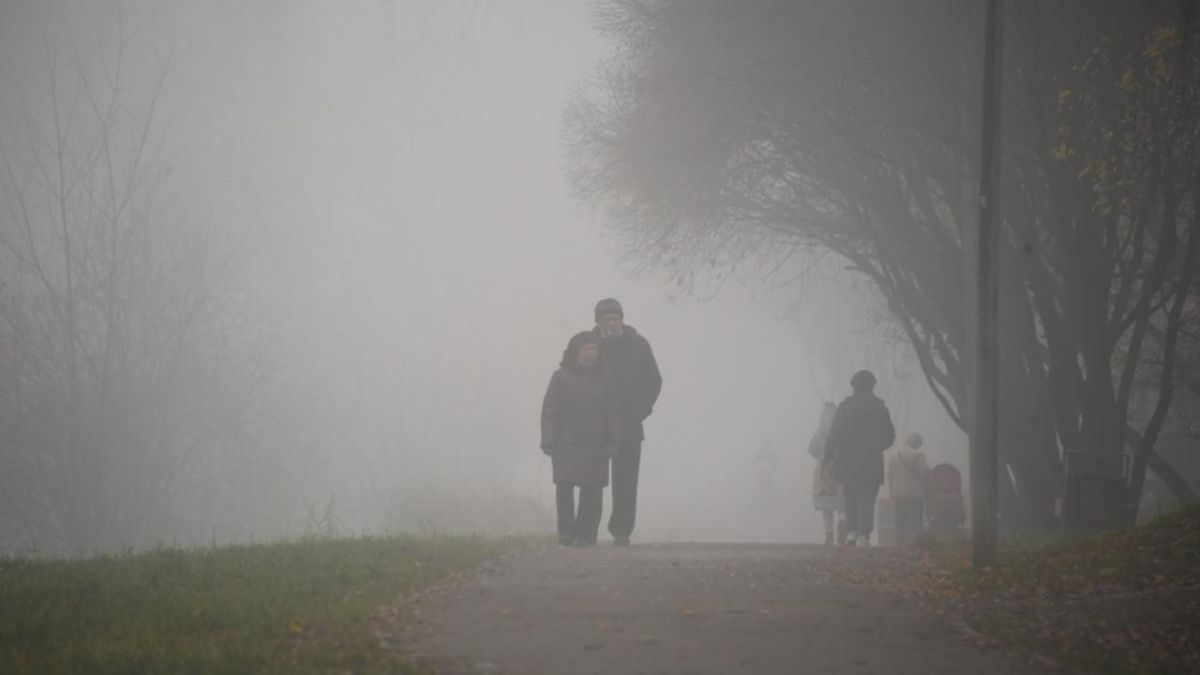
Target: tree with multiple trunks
point(723, 133)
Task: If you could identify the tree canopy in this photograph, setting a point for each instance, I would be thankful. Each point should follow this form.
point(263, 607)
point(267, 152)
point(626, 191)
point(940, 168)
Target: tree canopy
point(719, 133)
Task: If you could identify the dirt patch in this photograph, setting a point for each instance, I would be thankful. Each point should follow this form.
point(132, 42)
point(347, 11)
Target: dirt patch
point(1122, 602)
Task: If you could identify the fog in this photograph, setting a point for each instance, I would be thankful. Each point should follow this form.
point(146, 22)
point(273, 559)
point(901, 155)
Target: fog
point(382, 183)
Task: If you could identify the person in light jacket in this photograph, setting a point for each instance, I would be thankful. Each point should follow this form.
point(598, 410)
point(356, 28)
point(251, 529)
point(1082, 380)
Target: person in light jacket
point(907, 470)
point(826, 494)
point(581, 425)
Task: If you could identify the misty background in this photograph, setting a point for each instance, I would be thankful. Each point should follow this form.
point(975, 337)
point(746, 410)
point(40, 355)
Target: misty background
point(325, 263)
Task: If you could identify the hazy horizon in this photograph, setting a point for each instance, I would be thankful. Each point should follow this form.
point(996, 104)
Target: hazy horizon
point(391, 175)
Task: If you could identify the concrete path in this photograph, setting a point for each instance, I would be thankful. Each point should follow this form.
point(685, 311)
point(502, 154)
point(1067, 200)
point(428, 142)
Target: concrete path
point(682, 608)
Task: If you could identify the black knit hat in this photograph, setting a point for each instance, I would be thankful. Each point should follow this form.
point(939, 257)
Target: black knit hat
point(863, 380)
point(609, 306)
point(570, 357)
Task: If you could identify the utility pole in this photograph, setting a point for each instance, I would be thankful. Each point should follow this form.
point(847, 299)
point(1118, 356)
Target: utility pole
point(985, 369)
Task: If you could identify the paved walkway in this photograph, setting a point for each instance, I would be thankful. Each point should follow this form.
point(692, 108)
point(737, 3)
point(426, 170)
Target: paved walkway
point(682, 608)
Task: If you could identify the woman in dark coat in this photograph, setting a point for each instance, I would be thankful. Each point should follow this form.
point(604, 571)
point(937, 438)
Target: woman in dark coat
point(861, 430)
point(580, 426)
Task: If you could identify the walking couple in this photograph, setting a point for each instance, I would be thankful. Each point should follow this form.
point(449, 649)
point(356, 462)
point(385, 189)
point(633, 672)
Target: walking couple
point(605, 387)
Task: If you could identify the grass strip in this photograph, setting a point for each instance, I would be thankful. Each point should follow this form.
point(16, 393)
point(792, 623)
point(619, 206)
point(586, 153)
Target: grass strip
point(294, 607)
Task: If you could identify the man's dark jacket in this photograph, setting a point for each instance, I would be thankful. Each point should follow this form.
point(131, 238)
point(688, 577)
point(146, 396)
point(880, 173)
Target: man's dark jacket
point(629, 358)
point(861, 430)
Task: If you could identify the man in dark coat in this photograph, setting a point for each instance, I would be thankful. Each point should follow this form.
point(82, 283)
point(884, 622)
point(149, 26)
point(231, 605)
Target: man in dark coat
point(627, 355)
point(861, 430)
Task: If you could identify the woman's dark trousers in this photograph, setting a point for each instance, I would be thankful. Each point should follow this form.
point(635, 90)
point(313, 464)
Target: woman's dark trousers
point(860, 507)
point(579, 527)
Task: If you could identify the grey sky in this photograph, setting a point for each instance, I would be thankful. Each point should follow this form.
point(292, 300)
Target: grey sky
point(395, 167)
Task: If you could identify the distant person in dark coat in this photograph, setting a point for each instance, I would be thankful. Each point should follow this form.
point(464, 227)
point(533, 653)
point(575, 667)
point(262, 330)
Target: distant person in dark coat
point(861, 430)
point(627, 355)
point(581, 426)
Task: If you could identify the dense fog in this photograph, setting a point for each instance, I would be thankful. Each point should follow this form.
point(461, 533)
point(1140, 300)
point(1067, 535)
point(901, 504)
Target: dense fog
point(369, 197)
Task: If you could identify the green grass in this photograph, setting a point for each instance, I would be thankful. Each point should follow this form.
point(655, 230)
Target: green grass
point(298, 607)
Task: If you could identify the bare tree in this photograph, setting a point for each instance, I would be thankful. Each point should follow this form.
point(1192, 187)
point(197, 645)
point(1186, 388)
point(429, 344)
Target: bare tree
point(128, 351)
point(719, 134)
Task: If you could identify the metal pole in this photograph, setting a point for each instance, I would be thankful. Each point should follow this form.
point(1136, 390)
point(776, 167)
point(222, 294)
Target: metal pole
point(986, 363)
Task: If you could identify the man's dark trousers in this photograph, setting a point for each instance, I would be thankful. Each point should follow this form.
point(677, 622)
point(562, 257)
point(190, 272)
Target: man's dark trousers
point(625, 466)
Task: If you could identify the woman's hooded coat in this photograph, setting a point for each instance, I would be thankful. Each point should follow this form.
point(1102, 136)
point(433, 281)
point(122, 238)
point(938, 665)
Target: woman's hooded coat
point(581, 419)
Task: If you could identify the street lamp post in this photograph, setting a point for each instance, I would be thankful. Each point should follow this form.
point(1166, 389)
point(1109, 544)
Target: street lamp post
point(985, 369)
